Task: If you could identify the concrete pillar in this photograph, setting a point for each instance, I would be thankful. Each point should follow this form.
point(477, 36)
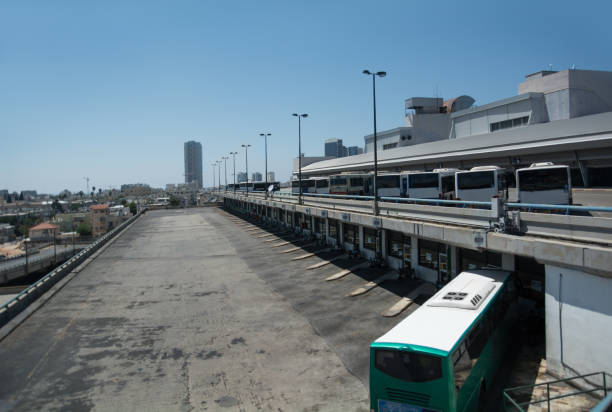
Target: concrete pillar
point(341, 233)
point(383, 243)
point(360, 238)
point(508, 261)
point(454, 261)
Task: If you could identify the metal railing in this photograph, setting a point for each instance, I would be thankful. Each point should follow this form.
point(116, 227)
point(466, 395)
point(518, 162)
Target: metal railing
point(14, 306)
point(567, 208)
point(510, 402)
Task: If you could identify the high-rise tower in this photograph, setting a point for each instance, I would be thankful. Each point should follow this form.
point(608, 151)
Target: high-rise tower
point(193, 162)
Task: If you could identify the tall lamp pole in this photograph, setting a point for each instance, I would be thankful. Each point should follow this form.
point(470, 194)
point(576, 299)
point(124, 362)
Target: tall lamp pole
point(225, 169)
point(214, 178)
point(234, 156)
point(246, 158)
point(299, 116)
point(265, 136)
point(219, 164)
point(374, 74)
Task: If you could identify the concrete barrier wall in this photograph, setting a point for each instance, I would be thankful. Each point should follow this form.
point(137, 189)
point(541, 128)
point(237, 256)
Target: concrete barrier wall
point(578, 322)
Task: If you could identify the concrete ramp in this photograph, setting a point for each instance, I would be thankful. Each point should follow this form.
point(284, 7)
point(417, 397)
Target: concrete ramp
point(392, 275)
point(406, 301)
point(325, 262)
point(307, 255)
point(345, 272)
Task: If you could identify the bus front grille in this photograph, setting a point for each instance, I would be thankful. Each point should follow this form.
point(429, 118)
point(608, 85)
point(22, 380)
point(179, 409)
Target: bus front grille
point(415, 398)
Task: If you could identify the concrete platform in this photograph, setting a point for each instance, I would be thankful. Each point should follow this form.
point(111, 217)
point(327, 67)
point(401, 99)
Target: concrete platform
point(184, 312)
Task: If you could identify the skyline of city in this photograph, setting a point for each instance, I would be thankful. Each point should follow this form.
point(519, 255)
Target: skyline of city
point(111, 93)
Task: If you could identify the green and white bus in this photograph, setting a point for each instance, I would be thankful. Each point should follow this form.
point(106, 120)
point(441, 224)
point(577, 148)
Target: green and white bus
point(443, 356)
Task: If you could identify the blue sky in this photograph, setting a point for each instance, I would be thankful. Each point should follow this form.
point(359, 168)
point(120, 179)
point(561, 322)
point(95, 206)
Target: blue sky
point(112, 89)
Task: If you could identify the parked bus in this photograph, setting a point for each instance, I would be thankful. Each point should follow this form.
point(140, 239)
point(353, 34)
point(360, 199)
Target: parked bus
point(348, 184)
point(388, 185)
point(444, 356)
point(263, 186)
point(321, 185)
point(308, 186)
point(438, 184)
point(481, 183)
point(243, 187)
point(544, 183)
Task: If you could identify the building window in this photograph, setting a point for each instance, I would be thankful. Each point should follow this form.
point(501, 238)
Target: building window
point(398, 245)
point(507, 124)
point(389, 146)
point(351, 234)
point(470, 259)
point(333, 228)
point(319, 225)
point(369, 238)
point(429, 253)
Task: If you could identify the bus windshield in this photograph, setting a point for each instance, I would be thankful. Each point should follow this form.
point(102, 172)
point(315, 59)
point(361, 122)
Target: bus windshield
point(475, 180)
point(337, 180)
point(408, 366)
point(543, 179)
point(388, 182)
point(421, 180)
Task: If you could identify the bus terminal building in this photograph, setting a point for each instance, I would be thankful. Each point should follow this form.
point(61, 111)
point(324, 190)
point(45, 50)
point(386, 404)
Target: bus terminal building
point(563, 261)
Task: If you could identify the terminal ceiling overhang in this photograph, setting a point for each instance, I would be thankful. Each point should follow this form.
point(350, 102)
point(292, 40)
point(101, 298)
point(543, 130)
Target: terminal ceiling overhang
point(588, 132)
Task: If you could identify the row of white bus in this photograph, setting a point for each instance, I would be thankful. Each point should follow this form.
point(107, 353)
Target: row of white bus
point(541, 183)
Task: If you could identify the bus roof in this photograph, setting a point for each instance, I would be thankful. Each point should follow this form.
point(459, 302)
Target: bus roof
point(440, 323)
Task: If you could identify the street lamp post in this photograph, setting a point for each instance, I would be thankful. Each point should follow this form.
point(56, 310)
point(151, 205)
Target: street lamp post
point(379, 74)
point(219, 164)
point(234, 156)
point(246, 158)
point(214, 178)
point(225, 169)
point(265, 136)
point(299, 116)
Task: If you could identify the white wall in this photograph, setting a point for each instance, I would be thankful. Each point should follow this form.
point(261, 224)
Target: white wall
point(578, 322)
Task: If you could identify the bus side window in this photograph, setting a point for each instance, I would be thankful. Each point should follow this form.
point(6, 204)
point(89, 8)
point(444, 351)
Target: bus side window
point(462, 365)
point(478, 338)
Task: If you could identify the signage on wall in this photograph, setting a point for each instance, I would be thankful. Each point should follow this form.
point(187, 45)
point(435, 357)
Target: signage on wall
point(479, 239)
point(377, 222)
point(324, 213)
point(307, 210)
point(346, 217)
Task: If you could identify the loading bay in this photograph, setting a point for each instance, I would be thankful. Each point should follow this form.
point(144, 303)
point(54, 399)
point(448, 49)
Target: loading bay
point(197, 309)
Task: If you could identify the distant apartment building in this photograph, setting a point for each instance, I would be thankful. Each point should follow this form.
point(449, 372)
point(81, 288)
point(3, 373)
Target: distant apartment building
point(193, 163)
point(256, 177)
point(241, 177)
point(354, 150)
point(44, 231)
point(99, 219)
point(136, 190)
point(7, 232)
point(334, 148)
point(271, 177)
point(28, 194)
point(4, 194)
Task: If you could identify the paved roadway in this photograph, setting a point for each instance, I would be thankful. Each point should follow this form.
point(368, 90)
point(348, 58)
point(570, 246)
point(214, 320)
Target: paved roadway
point(186, 311)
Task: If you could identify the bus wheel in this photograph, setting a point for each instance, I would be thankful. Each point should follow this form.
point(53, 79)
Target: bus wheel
point(481, 398)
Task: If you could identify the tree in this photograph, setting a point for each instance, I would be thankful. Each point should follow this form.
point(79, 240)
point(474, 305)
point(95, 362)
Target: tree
point(174, 201)
point(81, 194)
point(57, 207)
point(84, 229)
point(133, 207)
point(124, 202)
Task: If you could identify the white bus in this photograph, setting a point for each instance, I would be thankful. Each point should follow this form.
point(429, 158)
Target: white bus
point(544, 183)
point(321, 185)
point(308, 186)
point(438, 184)
point(445, 355)
point(481, 183)
point(388, 185)
point(348, 184)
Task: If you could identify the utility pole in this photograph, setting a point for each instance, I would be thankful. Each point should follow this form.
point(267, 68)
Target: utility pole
point(87, 179)
point(234, 156)
point(225, 169)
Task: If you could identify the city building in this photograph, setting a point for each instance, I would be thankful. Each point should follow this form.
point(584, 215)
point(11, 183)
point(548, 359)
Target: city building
point(241, 177)
point(334, 148)
point(271, 177)
point(98, 216)
point(28, 194)
point(308, 160)
point(354, 150)
point(193, 163)
point(136, 190)
point(256, 177)
point(44, 231)
point(7, 232)
point(4, 194)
